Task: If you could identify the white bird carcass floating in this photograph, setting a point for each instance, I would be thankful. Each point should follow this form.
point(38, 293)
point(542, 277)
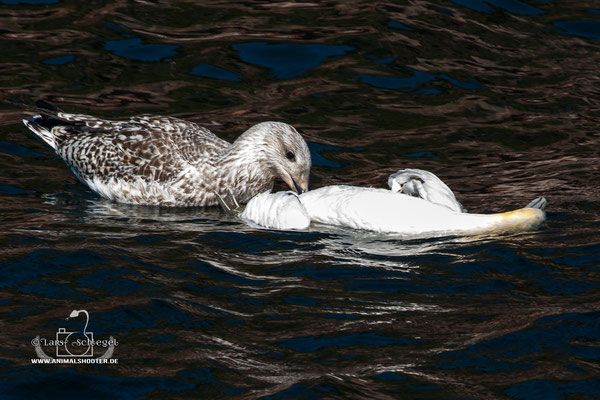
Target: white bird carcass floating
point(281, 210)
point(418, 206)
point(424, 184)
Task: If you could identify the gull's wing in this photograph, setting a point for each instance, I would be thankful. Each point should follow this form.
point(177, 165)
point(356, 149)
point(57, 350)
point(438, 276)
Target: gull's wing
point(149, 147)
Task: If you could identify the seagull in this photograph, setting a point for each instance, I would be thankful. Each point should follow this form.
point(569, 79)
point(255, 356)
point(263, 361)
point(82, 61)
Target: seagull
point(166, 161)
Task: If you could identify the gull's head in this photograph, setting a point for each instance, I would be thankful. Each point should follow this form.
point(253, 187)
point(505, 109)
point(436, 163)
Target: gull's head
point(287, 155)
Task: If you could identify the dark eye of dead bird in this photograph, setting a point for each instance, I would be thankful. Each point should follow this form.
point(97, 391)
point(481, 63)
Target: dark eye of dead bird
point(290, 155)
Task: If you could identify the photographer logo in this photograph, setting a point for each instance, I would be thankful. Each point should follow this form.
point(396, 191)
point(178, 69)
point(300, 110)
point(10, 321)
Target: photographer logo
point(75, 347)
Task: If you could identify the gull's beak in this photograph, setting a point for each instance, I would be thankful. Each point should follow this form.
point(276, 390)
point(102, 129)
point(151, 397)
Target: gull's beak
point(298, 185)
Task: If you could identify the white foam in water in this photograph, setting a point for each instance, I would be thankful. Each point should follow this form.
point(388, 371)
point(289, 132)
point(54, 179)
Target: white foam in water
point(281, 210)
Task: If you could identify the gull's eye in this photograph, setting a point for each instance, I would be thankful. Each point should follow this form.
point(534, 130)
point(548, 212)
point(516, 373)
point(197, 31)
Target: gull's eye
point(290, 156)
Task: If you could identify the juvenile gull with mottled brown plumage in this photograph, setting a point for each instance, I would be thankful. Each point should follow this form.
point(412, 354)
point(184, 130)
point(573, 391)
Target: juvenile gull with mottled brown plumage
point(154, 160)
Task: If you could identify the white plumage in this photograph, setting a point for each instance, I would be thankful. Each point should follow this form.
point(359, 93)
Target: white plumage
point(381, 210)
point(281, 210)
point(386, 211)
point(424, 184)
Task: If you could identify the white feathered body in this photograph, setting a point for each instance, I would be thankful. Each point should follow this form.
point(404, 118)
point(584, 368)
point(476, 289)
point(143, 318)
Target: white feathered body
point(381, 210)
point(424, 184)
point(281, 210)
point(384, 211)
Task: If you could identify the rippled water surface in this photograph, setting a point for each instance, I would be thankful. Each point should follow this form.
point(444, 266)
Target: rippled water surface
point(500, 98)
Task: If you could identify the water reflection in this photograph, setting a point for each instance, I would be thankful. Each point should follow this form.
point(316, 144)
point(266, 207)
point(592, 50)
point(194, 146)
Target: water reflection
point(512, 6)
point(210, 71)
point(59, 60)
point(499, 98)
point(288, 60)
point(136, 50)
point(415, 81)
point(36, 2)
point(399, 25)
point(586, 29)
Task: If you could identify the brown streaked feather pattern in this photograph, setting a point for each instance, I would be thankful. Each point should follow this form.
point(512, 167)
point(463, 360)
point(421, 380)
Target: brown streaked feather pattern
point(155, 160)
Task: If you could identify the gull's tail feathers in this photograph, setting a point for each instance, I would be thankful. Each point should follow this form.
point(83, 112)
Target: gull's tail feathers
point(50, 121)
point(35, 124)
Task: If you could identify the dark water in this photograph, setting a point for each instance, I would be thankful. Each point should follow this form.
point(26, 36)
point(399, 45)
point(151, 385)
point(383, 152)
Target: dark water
point(500, 98)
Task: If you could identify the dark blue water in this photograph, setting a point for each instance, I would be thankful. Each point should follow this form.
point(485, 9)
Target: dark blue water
point(498, 98)
point(288, 60)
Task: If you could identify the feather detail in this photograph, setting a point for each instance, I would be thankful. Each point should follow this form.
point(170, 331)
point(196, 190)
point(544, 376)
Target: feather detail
point(156, 160)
